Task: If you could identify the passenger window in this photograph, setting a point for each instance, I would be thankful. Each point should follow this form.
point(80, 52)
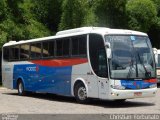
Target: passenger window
point(48, 49)
point(66, 47)
point(35, 50)
point(24, 51)
point(6, 53)
point(14, 53)
point(75, 46)
point(59, 46)
point(79, 45)
point(63, 47)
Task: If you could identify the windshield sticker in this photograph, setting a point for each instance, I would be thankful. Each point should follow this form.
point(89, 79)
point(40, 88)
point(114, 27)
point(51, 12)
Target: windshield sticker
point(133, 38)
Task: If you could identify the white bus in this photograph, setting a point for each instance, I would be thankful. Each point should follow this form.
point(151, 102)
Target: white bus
point(157, 59)
point(87, 62)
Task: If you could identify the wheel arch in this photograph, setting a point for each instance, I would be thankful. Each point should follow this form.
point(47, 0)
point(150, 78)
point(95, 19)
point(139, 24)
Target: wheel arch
point(77, 81)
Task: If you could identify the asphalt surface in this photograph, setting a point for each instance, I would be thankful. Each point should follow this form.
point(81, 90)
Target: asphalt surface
point(11, 103)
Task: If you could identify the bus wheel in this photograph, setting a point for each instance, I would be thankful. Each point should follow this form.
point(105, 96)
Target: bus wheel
point(21, 91)
point(80, 93)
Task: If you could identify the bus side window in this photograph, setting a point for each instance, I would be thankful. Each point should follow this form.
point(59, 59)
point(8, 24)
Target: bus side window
point(6, 53)
point(66, 47)
point(14, 53)
point(79, 45)
point(48, 49)
point(35, 50)
point(24, 51)
point(59, 48)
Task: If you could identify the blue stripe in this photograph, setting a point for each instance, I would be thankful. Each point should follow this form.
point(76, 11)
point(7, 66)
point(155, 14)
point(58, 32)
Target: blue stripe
point(135, 84)
point(37, 78)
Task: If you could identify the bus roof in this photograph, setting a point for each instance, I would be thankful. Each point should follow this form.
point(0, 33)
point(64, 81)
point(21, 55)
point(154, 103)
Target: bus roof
point(79, 31)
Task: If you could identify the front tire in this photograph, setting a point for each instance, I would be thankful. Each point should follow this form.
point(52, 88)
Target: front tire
point(81, 93)
point(21, 91)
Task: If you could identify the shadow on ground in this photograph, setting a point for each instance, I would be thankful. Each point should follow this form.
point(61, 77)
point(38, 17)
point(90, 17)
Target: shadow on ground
point(93, 102)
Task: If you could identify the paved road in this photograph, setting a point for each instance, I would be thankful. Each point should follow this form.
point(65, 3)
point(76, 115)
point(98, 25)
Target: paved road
point(10, 102)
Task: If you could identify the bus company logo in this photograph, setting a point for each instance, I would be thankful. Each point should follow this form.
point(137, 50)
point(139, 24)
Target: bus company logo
point(32, 69)
point(134, 83)
point(37, 68)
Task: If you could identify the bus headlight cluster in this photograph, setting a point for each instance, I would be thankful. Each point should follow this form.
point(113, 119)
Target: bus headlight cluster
point(118, 87)
point(153, 86)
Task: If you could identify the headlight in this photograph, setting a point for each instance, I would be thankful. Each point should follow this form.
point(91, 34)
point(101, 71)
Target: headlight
point(153, 86)
point(118, 87)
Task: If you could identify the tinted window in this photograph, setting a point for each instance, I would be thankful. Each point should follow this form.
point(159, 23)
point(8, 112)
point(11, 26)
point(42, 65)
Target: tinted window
point(63, 47)
point(79, 45)
point(59, 46)
point(75, 46)
point(6, 53)
point(82, 45)
point(24, 51)
point(35, 50)
point(97, 55)
point(14, 52)
point(48, 49)
point(66, 47)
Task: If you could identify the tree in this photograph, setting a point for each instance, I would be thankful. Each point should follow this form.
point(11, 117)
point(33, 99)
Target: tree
point(48, 12)
point(142, 14)
point(18, 21)
point(111, 13)
point(72, 14)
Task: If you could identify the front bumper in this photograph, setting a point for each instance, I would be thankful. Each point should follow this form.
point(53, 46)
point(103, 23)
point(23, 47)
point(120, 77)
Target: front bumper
point(128, 94)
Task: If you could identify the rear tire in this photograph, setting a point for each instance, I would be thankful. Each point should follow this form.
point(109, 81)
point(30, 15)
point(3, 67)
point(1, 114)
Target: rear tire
point(81, 93)
point(21, 91)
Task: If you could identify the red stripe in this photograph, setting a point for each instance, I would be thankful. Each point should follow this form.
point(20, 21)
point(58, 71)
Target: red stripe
point(151, 81)
point(60, 62)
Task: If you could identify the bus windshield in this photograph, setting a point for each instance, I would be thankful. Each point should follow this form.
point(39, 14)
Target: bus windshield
point(132, 57)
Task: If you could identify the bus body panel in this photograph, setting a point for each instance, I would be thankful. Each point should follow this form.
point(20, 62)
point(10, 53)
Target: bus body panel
point(53, 76)
point(7, 75)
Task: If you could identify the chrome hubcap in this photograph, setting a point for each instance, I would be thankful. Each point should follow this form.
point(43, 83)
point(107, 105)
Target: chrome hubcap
point(82, 94)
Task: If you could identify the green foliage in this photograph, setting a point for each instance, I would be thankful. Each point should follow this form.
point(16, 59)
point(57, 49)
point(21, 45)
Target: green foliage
point(73, 14)
point(111, 13)
point(26, 19)
point(35, 30)
point(48, 12)
point(19, 21)
point(142, 14)
point(157, 4)
point(3, 10)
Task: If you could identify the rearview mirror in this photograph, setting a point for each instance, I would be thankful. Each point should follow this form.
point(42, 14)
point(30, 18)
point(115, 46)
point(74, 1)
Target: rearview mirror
point(109, 53)
point(107, 44)
point(108, 49)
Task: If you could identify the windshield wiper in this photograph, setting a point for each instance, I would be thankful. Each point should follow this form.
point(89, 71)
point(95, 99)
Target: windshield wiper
point(147, 74)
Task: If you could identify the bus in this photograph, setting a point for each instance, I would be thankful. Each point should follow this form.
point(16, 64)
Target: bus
point(157, 60)
point(86, 62)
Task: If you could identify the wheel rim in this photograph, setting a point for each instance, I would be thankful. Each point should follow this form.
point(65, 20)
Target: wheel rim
point(20, 88)
point(82, 94)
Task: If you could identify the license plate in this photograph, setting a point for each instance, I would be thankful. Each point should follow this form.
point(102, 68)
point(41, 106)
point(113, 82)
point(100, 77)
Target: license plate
point(138, 94)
